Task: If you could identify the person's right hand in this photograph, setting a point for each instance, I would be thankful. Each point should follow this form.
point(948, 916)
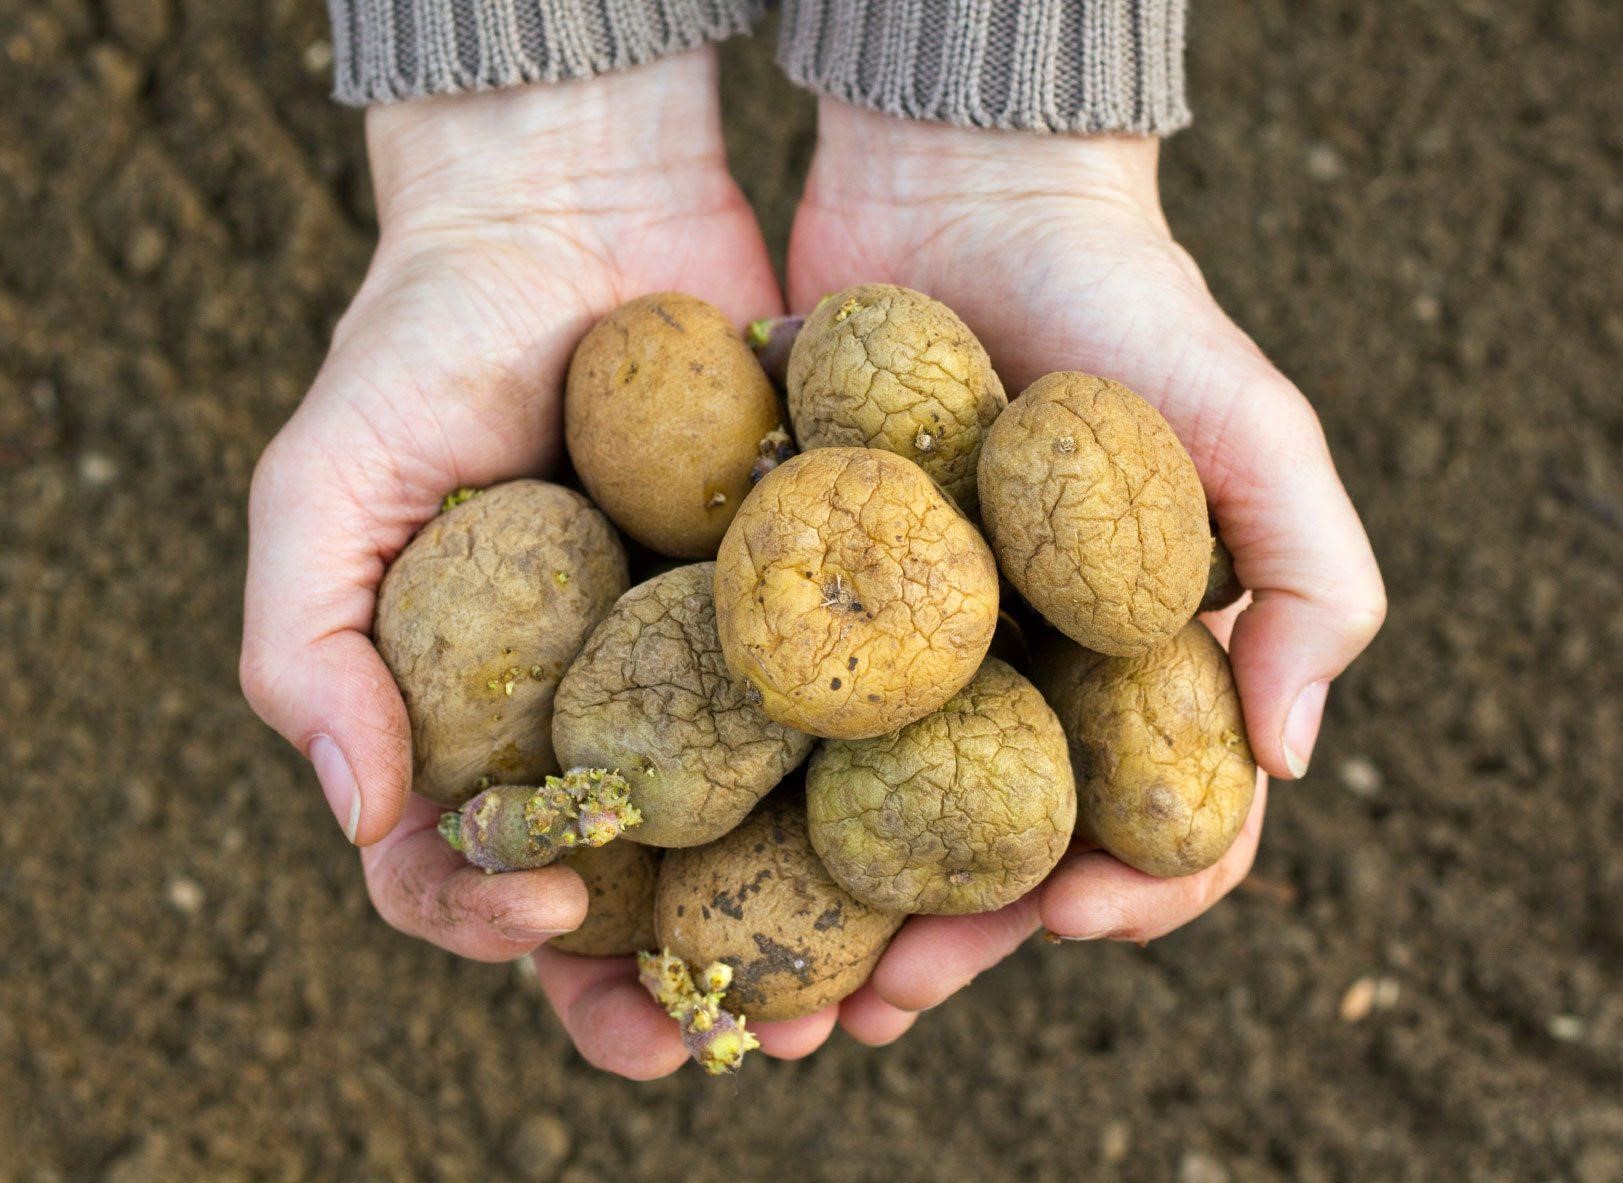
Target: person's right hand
point(509, 223)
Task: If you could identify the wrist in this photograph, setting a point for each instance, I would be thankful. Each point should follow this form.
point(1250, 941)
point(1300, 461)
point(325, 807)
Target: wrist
point(867, 158)
point(568, 148)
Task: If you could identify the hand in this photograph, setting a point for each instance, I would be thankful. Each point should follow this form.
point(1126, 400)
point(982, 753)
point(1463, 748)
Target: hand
point(509, 223)
point(1055, 251)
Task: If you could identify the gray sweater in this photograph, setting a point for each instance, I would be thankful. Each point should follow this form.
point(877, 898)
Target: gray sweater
point(1048, 65)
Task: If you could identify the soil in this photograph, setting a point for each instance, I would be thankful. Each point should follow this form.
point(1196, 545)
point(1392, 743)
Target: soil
point(1418, 210)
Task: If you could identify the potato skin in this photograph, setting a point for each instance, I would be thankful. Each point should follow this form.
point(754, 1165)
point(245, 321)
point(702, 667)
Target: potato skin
point(619, 920)
point(1096, 513)
point(851, 595)
point(759, 900)
point(663, 414)
point(1164, 772)
point(650, 697)
point(965, 810)
point(1223, 586)
point(880, 366)
point(479, 617)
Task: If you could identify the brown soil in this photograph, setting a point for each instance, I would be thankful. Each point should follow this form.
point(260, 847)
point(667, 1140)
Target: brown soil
point(1417, 207)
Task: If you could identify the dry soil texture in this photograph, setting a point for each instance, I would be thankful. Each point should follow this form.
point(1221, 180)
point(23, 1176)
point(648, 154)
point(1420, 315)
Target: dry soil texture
point(1417, 207)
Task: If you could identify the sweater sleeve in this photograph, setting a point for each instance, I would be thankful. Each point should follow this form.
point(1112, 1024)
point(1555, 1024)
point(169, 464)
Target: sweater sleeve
point(386, 50)
point(1044, 65)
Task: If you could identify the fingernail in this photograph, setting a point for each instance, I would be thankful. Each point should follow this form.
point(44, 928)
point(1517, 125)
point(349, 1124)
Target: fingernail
point(337, 783)
point(1093, 933)
point(520, 935)
point(1302, 727)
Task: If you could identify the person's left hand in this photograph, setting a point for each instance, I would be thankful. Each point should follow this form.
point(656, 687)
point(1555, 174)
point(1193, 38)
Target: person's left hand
point(1055, 251)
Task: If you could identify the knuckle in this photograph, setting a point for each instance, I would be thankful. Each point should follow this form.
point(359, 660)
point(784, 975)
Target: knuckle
point(256, 673)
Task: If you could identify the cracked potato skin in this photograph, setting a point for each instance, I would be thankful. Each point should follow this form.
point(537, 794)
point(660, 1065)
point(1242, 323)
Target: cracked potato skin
point(620, 880)
point(479, 616)
point(1096, 513)
point(759, 900)
point(1164, 772)
point(851, 595)
point(650, 697)
point(664, 413)
point(880, 366)
point(964, 811)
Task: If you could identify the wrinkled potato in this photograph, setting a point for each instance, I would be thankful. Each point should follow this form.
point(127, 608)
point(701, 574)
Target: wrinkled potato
point(479, 617)
point(851, 596)
point(620, 893)
point(664, 415)
point(879, 366)
point(965, 810)
point(650, 697)
point(758, 900)
point(1164, 773)
point(1096, 513)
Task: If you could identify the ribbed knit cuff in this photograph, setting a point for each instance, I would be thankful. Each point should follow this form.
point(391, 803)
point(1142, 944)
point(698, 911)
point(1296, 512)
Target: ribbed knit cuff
point(401, 49)
point(1041, 65)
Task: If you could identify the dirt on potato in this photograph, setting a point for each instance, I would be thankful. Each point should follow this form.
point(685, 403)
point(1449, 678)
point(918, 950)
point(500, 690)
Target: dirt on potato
point(1415, 210)
point(760, 901)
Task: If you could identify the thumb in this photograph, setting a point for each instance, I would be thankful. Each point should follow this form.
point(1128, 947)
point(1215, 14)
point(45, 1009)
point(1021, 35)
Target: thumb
point(308, 668)
point(1317, 595)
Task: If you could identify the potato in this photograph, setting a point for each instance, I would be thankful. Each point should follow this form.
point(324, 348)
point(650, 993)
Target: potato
point(1164, 774)
point(664, 415)
point(965, 810)
point(879, 366)
point(1096, 513)
point(851, 596)
point(479, 617)
point(759, 901)
point(1223, 587)
point(620, 892)
point(650, 696)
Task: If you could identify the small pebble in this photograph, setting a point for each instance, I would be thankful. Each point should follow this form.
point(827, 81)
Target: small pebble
point(184, 894)
point(145, 249)
point(538, 1148)
point(1199, 1167)
point(1324, 163)
point(317, 56)
point(1566, 1028)
point(1427, 309)
point(1116, 1141)
point(1360, 777)
point(1365, 995)
point(97, 469)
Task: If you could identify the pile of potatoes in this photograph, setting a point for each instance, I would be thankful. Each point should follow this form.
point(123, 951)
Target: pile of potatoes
point(793, 722)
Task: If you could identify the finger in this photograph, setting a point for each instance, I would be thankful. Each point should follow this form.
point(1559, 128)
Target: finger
point(1093, 896)
point(793, 1039)
point(308, 667)
point(422, 887)
point(1317, 596)
point(869, 1019)
point(931, 958)
point(613, 1022)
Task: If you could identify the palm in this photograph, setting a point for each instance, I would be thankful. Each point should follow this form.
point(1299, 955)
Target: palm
point(449, 369)
point(1049, 283)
